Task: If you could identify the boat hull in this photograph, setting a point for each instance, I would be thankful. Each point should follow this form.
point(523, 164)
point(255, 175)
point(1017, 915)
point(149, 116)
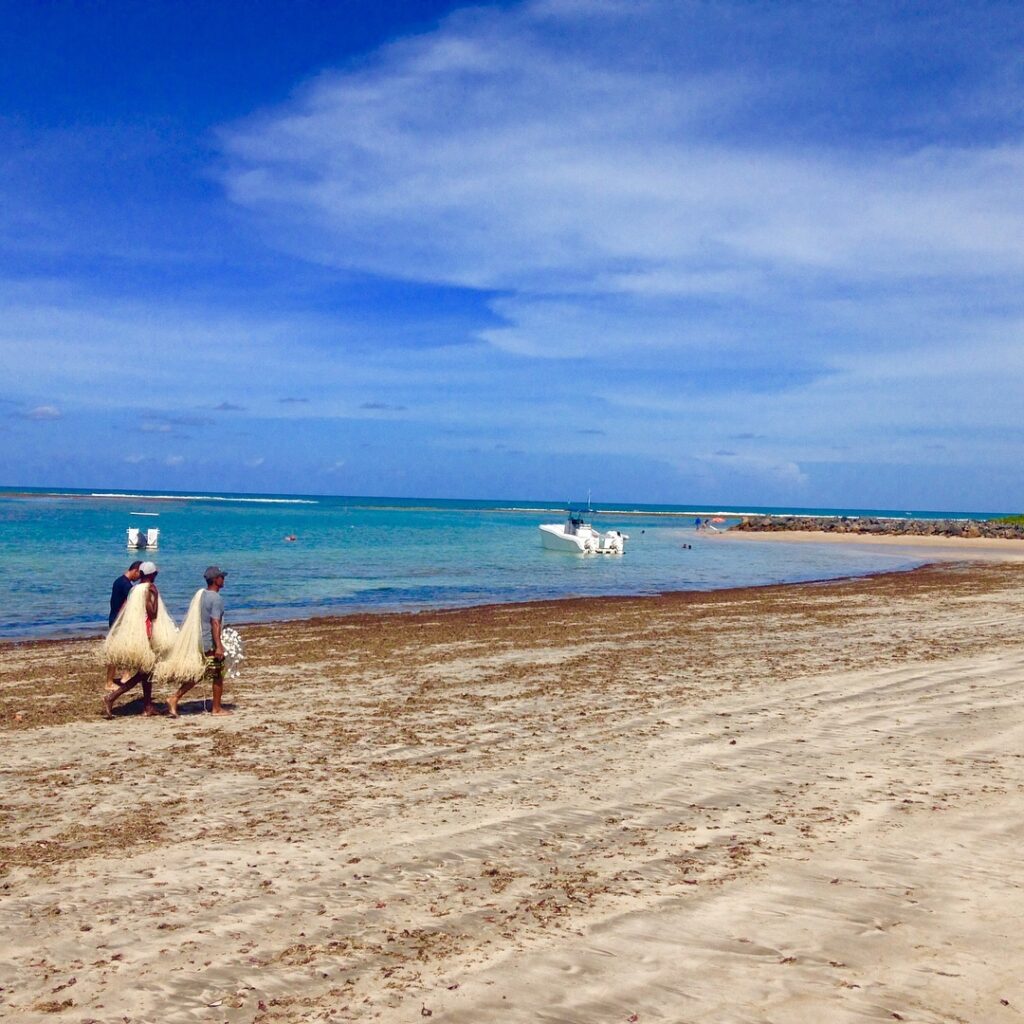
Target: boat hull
point(581, 540)
point(554, 538)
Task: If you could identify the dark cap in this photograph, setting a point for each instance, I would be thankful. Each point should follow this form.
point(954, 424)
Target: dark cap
point(212, 572)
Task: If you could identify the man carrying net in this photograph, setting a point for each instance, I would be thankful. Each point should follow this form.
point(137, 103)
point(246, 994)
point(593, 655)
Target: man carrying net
point(208, 607)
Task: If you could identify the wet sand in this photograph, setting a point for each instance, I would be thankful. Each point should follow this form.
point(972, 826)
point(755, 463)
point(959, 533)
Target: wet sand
point(798, 803)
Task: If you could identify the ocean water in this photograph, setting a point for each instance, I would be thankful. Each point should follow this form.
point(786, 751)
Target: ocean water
point(60, 552)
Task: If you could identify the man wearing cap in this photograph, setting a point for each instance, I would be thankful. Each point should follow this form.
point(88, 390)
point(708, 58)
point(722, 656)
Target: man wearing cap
point(148, 614)
point(211, 616)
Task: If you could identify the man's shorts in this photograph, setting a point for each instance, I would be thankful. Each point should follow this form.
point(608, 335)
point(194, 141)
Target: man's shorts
point(214, 672)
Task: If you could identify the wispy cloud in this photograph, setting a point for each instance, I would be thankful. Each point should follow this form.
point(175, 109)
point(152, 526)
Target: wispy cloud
point(730, 470)
point(42, 412)
point(172, 424)
point(738, 248)
point(728, 226)
point(599, 166)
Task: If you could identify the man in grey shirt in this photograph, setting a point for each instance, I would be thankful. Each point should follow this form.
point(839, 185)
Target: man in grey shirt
point(211, 611)
point(211, 615)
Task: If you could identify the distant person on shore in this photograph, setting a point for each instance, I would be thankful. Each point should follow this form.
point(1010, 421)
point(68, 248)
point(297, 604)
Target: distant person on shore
point(211, 618)
point(141, 632)
point(118, 595)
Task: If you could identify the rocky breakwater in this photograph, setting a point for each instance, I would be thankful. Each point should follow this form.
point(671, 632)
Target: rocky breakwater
point(994, 528)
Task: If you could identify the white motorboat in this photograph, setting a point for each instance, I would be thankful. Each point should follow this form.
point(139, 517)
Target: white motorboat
point(579, 537)
point(143, 540)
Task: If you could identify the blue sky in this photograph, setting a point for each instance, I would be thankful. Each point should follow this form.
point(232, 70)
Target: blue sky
point(733, 253)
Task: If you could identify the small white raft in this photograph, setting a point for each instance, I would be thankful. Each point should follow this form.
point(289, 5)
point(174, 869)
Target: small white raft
point(577, 536)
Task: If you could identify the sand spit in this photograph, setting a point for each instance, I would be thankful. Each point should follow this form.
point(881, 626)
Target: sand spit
point(784, 804)
point(936, 547)
point(994, 529)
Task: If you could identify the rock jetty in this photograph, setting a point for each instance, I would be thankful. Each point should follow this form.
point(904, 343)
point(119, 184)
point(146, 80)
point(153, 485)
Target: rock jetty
point(995, 528)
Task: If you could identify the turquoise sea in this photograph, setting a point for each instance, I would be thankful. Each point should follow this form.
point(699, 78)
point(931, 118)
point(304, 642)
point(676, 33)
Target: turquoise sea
point(60, 552)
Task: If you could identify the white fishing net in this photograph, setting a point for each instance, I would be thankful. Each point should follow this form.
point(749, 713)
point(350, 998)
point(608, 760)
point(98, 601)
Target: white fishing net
point(127, 646)
point(185, 662)
point(165, 632)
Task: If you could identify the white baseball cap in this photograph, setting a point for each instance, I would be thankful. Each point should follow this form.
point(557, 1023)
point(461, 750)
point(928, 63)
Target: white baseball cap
point(148, 568)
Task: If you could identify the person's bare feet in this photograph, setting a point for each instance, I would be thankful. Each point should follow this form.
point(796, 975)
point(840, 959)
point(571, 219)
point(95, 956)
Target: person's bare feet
point(108, 705)
point(150, 711)
point(221, 711)
point(172, 707)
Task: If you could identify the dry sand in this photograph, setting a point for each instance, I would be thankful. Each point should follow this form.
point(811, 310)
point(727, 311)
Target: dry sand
point(795, 803)
point(938, 548)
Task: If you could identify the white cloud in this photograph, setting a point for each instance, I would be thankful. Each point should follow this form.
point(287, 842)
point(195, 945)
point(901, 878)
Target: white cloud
point(43, 412)
point(686, 224)
point(701, 255)
point(775, 471)
point(74, 343)
point(493, 154)
point(174, 460)
point(694, 268)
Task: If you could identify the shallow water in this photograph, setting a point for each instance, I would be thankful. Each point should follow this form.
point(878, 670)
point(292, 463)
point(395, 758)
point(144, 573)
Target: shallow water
point(59, 555)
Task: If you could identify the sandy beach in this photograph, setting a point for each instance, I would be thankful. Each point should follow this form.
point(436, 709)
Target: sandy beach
point(935, 549)
point(788, 804)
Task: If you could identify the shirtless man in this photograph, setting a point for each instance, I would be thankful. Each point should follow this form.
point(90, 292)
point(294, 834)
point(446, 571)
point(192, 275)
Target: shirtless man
point(148, 571)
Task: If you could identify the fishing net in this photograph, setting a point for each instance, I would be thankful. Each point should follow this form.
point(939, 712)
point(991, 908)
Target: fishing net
point(127, 646)
point(165, 632)
point(185, 662)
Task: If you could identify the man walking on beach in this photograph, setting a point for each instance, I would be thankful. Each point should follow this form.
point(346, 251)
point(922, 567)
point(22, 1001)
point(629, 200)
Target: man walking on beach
point(147, 575)
point(118, 595)
point(211, 614)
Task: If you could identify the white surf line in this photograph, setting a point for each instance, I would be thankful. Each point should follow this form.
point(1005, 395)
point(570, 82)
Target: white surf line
point(204, 497)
